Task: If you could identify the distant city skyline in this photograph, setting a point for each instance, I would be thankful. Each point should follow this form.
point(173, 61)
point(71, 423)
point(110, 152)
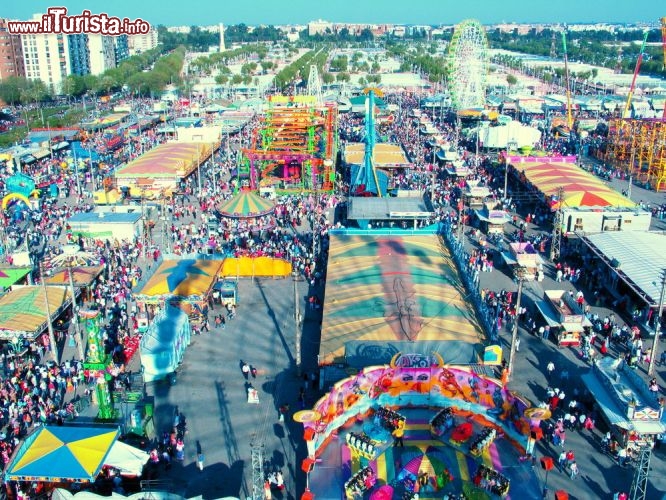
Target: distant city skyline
point(424, 12)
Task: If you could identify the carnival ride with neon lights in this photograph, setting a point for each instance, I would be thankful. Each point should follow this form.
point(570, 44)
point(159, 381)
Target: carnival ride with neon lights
point(294, 147)
point(468, 65)
point(638, 147)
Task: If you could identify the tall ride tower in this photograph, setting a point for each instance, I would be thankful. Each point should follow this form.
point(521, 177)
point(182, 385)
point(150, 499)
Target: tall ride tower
point(222, 46)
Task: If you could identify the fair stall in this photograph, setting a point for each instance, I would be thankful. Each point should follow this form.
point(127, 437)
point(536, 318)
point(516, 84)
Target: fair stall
point(523, 256)
point(561, 312)
point(492, 220)
point(476, 195)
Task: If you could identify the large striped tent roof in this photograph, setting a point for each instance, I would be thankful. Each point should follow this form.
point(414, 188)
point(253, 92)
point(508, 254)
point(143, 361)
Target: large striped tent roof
point(55, 453)
point(170, 160)
point(581, 189)
point(23, 309)
point(395, 293)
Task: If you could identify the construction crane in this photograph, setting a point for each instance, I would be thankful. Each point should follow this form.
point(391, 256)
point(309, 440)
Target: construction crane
point(627, 106)
point(566, 79)
point(663, 42)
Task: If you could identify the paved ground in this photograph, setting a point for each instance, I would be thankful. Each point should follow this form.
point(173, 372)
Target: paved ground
point(211, 393)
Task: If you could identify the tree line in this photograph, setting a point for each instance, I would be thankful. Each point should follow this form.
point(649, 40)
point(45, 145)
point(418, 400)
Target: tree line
point(147, 73)
point(596, 47)
point(199, 40)
point(299, 70)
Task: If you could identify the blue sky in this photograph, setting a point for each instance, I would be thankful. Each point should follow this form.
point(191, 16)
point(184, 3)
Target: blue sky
point(205, 12)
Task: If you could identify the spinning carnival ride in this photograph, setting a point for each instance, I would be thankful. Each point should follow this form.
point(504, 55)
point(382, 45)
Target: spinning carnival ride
point(468, 65)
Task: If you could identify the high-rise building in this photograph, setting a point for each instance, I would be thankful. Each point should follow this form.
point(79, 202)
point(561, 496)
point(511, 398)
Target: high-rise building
point(11, 54)
point(102, 53)
point(143, 42)
point(121, 46)
point(91, 54)
point(46, 57)
point(79, 54)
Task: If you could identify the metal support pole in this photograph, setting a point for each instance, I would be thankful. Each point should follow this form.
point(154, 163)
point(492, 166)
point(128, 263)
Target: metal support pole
point(75, 313)
point(93, 174)
point(514, 333)
point(199, 170)
point(657, 327)
point(49, 324)
point(297, 324)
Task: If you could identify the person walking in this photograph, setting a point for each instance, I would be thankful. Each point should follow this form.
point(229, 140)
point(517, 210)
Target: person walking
point(573, 470)
point(200, 461)
point(517, 343)
point(245, 369)
point(550, 368)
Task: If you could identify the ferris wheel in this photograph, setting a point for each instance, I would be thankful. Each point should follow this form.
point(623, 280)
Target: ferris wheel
point(468, 65)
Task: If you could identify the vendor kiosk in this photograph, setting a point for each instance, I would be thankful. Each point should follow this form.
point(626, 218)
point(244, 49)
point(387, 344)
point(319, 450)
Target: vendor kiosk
point(492, 220)
point(225, 292)
point(476, 195)
point(561, 312)
point(522, 255)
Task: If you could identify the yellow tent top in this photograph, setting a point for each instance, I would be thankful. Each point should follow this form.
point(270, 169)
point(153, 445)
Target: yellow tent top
point(181, 278)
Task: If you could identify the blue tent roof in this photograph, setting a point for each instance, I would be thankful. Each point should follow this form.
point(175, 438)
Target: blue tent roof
point(55, 453)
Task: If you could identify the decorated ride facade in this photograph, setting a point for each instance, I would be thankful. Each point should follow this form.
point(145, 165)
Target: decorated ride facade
point(416, 381)
point(368, 413)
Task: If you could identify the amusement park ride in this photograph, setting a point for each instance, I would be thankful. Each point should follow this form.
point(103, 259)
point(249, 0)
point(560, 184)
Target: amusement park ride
point(366, 180)
point(638, 146)
point(295, 146)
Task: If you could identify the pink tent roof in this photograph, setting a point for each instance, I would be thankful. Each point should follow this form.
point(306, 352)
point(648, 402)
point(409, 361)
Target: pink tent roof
point(581, 189)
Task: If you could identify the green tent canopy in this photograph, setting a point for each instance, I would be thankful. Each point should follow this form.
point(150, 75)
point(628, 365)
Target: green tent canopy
point(246, 204)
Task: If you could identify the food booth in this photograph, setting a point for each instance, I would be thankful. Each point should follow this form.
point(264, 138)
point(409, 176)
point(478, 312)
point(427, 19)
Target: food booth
point(492, 220)
point(476, 195)
point(561, 312)
point(523, 255)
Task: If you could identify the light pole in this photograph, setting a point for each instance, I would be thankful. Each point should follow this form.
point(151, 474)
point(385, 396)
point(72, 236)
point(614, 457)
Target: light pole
point(657, 326)
point(520, 274)
point(75, 312)
point(297, 323)
point(71, 254)
point(509, 147)
point(199, 168)
point(49, 324)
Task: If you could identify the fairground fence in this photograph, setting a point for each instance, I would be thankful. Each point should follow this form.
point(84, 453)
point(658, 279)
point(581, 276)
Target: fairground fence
point(470, 277)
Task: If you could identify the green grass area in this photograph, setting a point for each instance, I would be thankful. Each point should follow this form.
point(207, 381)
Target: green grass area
point(56, 117)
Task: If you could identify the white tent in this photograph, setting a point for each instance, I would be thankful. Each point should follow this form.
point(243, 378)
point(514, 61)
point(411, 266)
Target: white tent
point(62, 494)
point(499, 137)
point(127, 459)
